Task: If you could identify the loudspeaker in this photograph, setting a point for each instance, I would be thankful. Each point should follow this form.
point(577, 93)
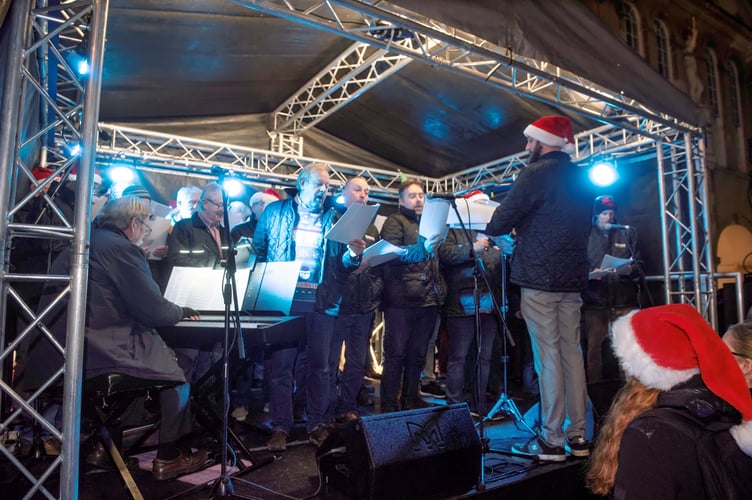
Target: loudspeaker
point(409, 454)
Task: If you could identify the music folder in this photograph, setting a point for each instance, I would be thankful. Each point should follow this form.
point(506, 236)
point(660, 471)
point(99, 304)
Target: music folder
point(271, 288)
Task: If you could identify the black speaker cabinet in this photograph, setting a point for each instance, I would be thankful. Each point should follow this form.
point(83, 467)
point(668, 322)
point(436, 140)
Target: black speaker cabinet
point(409, 454)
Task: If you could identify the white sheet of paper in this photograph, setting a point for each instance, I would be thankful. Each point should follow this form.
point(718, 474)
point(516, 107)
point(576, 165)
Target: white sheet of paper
point(158, 210)
point(475, 215)
point(97, 205)
point(380, 252)
point(353, 224)
point(201, 287)
point(611, 264)
point(158, 236)
point(434, 218)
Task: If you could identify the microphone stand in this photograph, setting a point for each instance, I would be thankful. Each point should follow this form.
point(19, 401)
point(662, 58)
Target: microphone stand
point(504, 401)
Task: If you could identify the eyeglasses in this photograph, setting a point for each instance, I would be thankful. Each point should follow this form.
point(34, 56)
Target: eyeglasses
point(147, 229)
point(218, 205)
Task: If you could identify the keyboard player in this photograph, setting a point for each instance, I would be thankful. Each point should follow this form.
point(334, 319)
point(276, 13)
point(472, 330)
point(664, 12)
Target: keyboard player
point(123, 307)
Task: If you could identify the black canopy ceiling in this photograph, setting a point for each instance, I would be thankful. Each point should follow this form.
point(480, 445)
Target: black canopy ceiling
point(214, 69)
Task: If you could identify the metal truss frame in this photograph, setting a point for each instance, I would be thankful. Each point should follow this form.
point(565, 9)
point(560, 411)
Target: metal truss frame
point(386, 38)
point(46, 36)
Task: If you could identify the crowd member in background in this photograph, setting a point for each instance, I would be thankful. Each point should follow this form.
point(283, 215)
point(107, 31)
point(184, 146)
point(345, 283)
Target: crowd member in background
point(258, 202)
point(199, 242)
point(738, 338)
point(610, 295)
point(549, 209)
point(293, 230)
point(237, 212)
point(187, 201)
point(458, 256)
point(124, 305)
point(682, 425)
point(413, 292)
point(361, 298)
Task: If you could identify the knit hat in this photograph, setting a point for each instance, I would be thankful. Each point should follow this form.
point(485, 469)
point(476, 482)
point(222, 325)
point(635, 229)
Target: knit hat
point(667, 345)
point(604, 202)
point(477, 196)
point(137, 191)
point(267, 196)
point(552, 131)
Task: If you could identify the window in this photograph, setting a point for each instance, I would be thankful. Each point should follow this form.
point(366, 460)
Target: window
point(712, 88)
point(736, 112)
point(663, 49)
point(630, 26)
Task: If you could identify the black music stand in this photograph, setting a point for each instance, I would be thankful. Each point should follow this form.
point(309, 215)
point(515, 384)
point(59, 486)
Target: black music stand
point(504, 403)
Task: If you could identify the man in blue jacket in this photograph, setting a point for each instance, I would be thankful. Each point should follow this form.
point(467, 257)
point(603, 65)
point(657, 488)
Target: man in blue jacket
point(549, 208)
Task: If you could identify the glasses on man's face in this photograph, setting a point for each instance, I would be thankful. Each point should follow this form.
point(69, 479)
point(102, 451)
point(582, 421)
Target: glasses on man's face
point(147, 229)
point(216, 204)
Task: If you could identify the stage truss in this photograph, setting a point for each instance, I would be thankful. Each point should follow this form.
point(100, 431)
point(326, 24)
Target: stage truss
point(386, 39)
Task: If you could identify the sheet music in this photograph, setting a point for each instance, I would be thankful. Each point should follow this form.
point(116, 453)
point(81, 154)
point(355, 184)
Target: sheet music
point(434, 218)
point(353, 224)
point(158, 210)
point(158, 235)
point(611, 264)
point(380, 252)
point(475, 215)
point(201, 287)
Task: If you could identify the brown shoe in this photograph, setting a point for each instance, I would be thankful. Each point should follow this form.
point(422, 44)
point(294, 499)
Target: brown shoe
point(278, 441)
point(347, 417)
point(318, 435)
point(184, 464)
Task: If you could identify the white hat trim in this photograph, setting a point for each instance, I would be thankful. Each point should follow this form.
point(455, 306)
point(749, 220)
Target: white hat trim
point(548, 138)
point(742, 434)
point(637, 363)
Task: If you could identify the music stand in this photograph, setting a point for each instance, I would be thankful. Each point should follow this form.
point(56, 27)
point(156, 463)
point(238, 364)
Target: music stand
point(504, 403)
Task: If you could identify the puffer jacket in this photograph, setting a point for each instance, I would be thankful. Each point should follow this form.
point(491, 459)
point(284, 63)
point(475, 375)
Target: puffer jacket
point(413, 279)
point(458, 267)
point(549, 206)
point(274, 241)
point(364, 285)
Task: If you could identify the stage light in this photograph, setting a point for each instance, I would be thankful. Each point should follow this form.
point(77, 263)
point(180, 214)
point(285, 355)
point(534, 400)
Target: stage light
point(340, 200)
point(233, 187)
point(72, 149)
point(603, 173)
point(78, 62)
point(121, 174)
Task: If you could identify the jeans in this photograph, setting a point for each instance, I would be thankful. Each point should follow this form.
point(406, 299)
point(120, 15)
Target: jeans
point(553, 320)
point(355, 330)
point(406, 335)
point(323, 359)
point(461, 339)
point(287, 374)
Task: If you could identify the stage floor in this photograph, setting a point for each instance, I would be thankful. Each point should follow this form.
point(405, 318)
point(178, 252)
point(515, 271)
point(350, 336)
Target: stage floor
point(294, 473)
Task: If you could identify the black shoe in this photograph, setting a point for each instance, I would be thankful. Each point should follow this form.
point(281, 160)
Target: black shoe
point(100, 458)
point(577, 447)
point(539, 449)
point(432, 389)
point(184, 464)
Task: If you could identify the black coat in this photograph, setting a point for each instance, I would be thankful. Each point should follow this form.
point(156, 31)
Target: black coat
point(364, 285)
point(458, 266)
point(190, 244)
point(413, 279)
point(671, 450)
point(549, 206)
point(612, 290)
point(123, 306)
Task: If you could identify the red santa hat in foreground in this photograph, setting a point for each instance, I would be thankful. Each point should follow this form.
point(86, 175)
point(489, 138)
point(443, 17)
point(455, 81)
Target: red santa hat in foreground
point(552, 131)
point(667, 345)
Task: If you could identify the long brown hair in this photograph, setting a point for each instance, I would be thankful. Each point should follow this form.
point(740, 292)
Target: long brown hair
point(632, 400)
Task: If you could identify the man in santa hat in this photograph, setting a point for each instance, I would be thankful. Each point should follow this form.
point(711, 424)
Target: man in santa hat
point(549, 209)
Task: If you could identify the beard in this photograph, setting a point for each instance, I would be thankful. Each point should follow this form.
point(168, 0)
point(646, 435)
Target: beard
point(535, 154)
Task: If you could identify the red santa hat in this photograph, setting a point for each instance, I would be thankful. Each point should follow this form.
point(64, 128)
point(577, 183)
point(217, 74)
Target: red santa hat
point(41, 173)
point(477, 196)
point(553, 131)
point(667, 345)
point(267, 196)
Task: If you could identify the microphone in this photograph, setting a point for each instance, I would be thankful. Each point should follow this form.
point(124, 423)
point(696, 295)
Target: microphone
point(441, 196)
point(608, 226)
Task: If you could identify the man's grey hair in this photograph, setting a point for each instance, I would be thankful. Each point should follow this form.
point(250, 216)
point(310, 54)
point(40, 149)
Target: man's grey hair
point(188, 190)
point(211, 188)
point(121, 211)
point(305, 174)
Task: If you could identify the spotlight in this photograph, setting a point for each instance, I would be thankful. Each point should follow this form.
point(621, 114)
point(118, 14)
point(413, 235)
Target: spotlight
point(121, 174)
point(340, 200)
point(77, 61)
point(72, 149)
point(603, 173)
point(233, 187)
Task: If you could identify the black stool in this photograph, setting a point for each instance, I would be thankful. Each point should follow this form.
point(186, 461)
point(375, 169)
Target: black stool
point(105, 399)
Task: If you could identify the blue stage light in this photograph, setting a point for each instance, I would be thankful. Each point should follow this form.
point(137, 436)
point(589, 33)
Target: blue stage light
point(121, 174)
point(603, 173)
point(233, 187)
